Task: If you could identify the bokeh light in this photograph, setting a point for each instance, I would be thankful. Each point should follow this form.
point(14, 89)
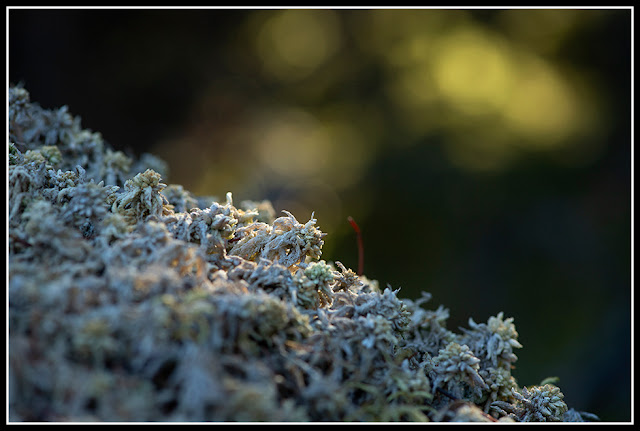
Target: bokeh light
point(293, 43)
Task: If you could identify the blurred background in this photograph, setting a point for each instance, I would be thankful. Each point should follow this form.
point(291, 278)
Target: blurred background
point(485, 154)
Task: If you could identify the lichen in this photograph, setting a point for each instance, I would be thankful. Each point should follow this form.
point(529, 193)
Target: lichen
point(134, 300)
point(456, 370)
point(142, 198)
point(535, 404)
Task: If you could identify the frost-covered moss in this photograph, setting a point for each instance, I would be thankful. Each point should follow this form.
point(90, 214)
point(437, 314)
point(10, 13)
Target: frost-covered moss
point(133, 300)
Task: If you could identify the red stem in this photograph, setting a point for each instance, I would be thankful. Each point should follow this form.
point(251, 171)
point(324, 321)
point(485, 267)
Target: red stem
point(356, 228)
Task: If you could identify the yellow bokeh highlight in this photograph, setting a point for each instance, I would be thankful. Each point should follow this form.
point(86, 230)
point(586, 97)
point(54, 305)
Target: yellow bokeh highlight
point(294, 43)
point(472, 71)
point(542, 105)
point(295, 144)
point(292, 143)
point(495, 98)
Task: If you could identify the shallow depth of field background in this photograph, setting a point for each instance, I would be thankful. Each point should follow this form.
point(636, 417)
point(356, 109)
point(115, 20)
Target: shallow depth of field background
point(485, 154)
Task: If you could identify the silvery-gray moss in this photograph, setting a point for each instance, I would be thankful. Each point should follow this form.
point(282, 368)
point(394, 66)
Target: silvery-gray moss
point(130, 300)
